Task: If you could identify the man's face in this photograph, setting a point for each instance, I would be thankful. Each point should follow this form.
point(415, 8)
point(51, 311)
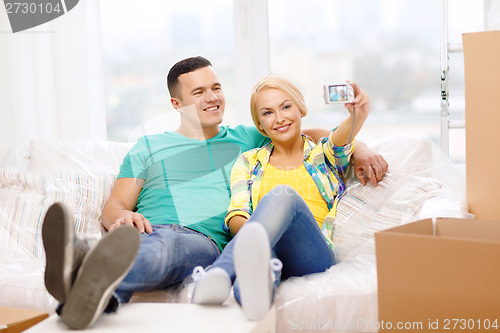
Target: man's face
point(202, 89)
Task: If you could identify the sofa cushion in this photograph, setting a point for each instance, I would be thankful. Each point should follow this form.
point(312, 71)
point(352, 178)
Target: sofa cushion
point(364, 210)
point(26, 196)
point(76, 156)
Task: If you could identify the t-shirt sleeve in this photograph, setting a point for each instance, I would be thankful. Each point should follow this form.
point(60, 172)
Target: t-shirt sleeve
point(337, 156)
point(133, 164)
point(256, 138)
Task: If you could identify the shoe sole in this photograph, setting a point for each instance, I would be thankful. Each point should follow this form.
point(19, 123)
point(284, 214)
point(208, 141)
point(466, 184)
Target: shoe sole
point(252, 254)
point(213, 288)
point(102, 270)
point(58, 235)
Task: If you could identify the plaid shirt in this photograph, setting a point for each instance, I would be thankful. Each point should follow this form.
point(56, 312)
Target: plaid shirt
point(324, 161)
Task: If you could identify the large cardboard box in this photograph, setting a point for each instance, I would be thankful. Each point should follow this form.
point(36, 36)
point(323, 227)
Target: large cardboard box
point(439, 277)
point(17, 320)
point(482, 122)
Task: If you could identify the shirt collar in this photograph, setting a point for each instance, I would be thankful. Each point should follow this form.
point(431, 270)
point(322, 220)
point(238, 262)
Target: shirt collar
point(264, 153)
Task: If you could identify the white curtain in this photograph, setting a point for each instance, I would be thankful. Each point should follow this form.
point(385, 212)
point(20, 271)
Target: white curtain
point(493, 15)
point(51, 83)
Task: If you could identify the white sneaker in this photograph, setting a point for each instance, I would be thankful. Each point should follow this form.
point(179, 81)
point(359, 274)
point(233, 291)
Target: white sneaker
point(212, 286)
point(252, 261)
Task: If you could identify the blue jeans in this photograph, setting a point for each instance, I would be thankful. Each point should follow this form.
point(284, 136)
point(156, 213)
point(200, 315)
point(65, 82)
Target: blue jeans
point(166, 257)
point(294, 235)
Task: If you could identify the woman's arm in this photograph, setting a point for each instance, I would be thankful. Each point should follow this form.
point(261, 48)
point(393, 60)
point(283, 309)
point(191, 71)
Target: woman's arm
point(359, 109)
point(316, 133)
point(368, 164)
point(235, 223)
point(240, 203)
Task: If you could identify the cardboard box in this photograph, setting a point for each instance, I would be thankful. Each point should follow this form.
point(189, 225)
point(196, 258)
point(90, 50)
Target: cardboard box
point(482, 119)
point(442, 277)
point(17, 320)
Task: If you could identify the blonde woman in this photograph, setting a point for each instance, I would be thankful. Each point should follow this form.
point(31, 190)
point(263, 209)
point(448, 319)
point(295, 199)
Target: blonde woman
point(283, 200)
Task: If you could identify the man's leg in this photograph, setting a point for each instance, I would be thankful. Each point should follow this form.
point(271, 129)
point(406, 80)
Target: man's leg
point(166, 257)
point(104, 267)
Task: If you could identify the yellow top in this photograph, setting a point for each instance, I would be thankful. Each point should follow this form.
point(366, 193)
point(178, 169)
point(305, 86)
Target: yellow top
point(301, 181)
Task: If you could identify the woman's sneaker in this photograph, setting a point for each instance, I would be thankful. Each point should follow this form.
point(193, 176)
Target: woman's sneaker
point(212, 286)
point(252, 257)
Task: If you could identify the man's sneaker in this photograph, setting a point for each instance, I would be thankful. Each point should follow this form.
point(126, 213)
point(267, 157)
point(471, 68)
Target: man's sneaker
point(212, 286)
point(64, 251)
point(252, 258)
point(102, 270)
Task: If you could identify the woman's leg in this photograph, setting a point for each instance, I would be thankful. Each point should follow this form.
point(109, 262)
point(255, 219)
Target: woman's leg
point(293, 233)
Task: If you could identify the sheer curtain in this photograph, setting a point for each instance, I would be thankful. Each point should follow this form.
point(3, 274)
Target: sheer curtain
point(51, 84)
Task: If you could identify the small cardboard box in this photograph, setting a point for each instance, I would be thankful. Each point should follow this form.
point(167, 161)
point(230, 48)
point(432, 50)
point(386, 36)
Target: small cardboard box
point(482, 118)
point(17, 320)
point(439, 277)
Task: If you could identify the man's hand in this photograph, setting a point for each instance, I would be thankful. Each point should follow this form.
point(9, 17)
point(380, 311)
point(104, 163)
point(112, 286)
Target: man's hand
point(119, 209)
point(133, 219)
point(368, 165)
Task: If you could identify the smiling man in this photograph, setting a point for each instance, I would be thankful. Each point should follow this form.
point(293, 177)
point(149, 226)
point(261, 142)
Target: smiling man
point(172, 187)
point(202, 90)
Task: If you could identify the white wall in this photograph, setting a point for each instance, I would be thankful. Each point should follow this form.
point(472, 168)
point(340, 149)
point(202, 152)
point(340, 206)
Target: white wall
point(51, 79)
point(51, 76)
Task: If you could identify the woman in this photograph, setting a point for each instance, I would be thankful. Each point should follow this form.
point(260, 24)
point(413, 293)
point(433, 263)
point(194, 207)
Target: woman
point(283, 200)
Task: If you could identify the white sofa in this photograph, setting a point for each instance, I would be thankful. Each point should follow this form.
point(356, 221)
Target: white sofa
point(421, 183)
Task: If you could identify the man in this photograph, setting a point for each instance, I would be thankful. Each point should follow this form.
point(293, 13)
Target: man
point(174, 189)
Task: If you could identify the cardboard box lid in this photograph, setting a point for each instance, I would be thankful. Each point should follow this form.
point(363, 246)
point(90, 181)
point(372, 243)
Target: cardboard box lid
point(450, 228)
point(17, 320)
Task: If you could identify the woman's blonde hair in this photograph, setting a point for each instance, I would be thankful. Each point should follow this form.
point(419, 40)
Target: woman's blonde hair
point(282, 84)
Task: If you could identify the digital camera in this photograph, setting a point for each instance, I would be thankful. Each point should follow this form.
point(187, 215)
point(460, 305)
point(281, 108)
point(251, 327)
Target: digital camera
point(339, 93)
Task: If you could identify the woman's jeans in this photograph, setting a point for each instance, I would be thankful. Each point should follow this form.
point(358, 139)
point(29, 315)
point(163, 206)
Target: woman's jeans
point(294, 235)
point(166, 257)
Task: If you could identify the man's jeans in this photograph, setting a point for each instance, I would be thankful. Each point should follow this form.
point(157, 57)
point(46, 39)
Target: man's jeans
point(166, 257)
point(294, 234)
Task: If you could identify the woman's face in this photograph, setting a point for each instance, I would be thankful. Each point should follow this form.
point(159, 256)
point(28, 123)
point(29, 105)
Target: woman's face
point(279, 117)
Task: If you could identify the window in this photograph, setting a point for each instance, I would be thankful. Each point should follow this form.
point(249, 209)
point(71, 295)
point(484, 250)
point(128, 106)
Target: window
point(390, 47)
point(463, 16)
point(142, 40)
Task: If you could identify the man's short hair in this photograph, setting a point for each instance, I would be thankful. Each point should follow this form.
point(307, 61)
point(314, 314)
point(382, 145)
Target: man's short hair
point(184, 66)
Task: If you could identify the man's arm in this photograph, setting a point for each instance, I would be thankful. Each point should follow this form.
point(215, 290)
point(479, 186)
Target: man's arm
point(119, 208)
point(368, 165)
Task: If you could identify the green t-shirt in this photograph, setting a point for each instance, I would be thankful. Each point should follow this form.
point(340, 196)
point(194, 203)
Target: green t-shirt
point(187, 180)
